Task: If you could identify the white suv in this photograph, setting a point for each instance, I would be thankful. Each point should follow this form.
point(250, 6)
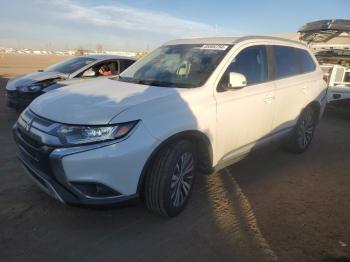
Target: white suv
point(191, 105)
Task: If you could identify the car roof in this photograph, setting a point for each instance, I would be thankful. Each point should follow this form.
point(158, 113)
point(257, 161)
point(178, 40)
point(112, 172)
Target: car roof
point(105, 57)
point(229, 40)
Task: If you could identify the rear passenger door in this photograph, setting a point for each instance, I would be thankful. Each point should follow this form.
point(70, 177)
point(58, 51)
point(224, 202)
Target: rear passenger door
point(291, 87)
point(244, 116)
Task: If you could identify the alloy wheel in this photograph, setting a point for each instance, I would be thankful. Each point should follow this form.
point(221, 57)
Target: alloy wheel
point(306, 129)
point(182, 178)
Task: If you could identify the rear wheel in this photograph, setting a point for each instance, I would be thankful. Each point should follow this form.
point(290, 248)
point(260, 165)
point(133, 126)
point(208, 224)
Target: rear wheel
point(169, 180)
point(303, 132)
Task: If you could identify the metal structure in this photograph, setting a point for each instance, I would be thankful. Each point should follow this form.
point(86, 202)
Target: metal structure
point(323, 30)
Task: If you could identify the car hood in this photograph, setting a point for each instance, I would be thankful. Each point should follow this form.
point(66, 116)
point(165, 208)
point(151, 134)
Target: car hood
point(31, 78)
point(95, 102)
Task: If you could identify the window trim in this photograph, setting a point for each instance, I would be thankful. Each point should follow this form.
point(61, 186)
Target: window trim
point(271, 67)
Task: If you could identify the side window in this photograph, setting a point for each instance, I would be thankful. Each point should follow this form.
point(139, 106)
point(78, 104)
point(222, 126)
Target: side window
point(106, 68)
point(307, 63)
point(252, 63)
point(286, 61)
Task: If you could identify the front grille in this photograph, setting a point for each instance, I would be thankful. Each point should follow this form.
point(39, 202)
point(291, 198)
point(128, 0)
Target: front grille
point(33, 152)
point(29, 140)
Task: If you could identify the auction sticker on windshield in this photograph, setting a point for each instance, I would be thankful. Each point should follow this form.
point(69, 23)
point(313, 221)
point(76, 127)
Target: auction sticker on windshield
point(214, 47)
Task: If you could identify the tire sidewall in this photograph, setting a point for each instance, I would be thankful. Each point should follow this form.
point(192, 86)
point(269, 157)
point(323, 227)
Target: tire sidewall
point(297, 135)
point(179, 149)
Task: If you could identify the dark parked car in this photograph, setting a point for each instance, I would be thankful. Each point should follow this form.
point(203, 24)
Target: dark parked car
point(22, 90)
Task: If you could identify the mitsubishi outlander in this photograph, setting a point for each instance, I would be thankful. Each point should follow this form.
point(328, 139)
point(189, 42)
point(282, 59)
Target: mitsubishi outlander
point(189, 107)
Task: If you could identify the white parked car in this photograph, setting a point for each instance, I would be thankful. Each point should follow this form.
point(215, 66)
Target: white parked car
point(191, 105)
point(22, 90)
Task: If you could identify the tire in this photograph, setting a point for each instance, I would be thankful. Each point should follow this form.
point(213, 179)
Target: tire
point(169, 180)
point(303, 132)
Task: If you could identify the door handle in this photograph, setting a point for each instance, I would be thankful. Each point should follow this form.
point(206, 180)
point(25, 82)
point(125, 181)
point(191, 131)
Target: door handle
point(304, 89)
point(268, 99)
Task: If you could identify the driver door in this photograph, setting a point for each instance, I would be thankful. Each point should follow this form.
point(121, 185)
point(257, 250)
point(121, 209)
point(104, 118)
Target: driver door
point(244, 116)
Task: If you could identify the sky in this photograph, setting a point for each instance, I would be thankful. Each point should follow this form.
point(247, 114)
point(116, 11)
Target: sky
point(145, 24)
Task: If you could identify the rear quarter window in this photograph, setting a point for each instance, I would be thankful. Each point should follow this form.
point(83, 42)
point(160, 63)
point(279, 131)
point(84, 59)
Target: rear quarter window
point(286, 61)
point(125, 64)
point(307, 63)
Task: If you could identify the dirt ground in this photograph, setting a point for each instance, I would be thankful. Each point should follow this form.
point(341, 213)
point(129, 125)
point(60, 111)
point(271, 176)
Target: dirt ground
point(271, 206)
point(17, 64)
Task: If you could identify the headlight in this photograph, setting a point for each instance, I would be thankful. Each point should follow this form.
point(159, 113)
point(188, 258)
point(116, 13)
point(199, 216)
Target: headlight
point(33, 88)
point(77, 135)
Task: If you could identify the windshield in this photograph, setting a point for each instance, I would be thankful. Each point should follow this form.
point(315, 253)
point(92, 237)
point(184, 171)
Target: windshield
point(71, 65)
point(185, 65)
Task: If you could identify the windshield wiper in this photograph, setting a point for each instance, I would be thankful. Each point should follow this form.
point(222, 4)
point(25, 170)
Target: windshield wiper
point(153, 82)
point(127, 79)
point(164, 84)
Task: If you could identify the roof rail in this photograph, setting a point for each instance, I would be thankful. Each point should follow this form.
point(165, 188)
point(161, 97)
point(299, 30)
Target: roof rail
point(253, 37)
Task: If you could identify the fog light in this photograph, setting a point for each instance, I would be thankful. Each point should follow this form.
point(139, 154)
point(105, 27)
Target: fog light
point(92, 189)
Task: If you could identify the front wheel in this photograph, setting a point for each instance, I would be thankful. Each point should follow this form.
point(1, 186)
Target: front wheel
point(169, 180)
point(303, 132)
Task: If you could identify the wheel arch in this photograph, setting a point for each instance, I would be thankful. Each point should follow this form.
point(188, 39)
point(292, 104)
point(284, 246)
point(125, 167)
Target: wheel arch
point(316, 106)
point(202, 146)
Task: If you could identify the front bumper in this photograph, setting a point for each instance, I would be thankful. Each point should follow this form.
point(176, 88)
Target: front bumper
point(116, 164)
point(20, 100)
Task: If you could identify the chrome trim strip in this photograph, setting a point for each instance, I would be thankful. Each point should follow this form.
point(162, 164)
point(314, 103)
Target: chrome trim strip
point(43, 128)
point(45, 138)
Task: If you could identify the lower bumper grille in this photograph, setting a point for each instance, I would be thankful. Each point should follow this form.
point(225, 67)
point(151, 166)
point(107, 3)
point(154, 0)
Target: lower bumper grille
point(33, 152)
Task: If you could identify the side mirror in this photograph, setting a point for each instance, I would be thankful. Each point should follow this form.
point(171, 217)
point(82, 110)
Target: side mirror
point(89, 73)
point(236, 81)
